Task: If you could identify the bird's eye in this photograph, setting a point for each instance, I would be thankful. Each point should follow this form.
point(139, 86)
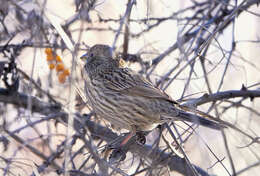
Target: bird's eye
point(91, 54)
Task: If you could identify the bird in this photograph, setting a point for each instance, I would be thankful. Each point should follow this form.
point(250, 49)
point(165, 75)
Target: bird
point(127, 99)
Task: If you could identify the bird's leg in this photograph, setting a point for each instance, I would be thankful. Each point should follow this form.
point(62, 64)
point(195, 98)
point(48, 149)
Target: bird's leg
point(140, 137)
point(128, 137)
point(119, 154)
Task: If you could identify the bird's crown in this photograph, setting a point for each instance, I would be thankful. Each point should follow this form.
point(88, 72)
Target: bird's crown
point(99, 51)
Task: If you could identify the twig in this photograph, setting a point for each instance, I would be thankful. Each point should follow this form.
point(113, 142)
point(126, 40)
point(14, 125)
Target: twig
point(206, 98)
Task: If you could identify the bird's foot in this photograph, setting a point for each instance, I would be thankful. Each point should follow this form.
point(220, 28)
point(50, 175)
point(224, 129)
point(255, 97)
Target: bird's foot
point(117, 149)
point(120, 146)
point(117, 155)
point(140, 138)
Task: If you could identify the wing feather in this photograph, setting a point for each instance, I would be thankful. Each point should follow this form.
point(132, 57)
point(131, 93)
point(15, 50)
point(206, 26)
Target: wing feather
point(128, 82)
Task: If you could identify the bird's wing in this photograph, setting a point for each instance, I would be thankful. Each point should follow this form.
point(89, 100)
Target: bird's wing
point(128, 82)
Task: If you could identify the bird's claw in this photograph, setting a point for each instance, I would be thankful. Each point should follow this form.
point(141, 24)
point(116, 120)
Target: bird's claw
point(117, 155)
point(140, 138)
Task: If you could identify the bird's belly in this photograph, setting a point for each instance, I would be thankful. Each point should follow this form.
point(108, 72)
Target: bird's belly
point(123, 111)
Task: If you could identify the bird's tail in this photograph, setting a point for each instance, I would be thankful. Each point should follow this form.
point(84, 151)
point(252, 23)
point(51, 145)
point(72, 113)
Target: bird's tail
point(200, 120)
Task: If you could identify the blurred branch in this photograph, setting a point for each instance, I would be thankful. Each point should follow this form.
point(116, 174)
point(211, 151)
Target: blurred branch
point(188, 35)
point(173, 161)
point(206, 98)
point(127, 31)
point(21, 100)
point(122, 20)
point(200, 25)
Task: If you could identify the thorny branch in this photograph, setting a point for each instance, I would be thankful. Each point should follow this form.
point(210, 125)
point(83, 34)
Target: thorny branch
point(201, 25)
point(174, 162)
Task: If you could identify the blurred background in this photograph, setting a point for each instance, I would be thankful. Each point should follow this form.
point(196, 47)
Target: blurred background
point(202, 53)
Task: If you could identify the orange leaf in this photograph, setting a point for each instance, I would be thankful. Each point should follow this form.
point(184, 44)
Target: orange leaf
point(59, 67)
point(62, 78)
point(49, 57)
point(66, 72)
point(48, 51)
point(58, 59)
point(51, 66)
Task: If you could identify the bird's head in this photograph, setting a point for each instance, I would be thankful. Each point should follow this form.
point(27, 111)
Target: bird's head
point(98, 51)
point(98, 58)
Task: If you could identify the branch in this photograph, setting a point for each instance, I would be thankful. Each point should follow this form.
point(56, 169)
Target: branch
point(206, 98)
point(21, 100)
point(174, 162)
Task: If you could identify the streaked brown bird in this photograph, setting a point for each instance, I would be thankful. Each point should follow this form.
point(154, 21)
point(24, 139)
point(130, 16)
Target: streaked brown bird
point(126, 99)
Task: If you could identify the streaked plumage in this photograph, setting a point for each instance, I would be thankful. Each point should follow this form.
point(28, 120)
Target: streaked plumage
point(125, 98)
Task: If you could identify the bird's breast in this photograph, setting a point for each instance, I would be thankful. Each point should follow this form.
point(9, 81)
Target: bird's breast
point(121, 109)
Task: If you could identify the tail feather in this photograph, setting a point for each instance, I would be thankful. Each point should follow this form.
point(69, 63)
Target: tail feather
point(200, 120)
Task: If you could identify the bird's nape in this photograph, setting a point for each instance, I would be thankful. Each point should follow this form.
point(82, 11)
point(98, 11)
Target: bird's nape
point(100, 51)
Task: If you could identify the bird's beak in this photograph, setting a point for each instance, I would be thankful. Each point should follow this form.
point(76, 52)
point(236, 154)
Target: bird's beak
point(84, 57)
